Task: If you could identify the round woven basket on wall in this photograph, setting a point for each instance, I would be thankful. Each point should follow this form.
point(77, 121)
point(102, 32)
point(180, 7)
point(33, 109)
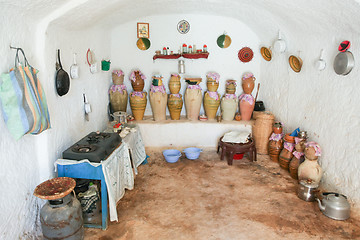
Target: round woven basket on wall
point(262, 130)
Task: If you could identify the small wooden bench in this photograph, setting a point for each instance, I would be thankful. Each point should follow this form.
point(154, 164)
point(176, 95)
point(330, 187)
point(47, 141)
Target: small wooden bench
point(236, 148)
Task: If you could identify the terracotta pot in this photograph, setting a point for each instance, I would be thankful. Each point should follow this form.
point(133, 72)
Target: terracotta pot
point(294, 165)
point(211, 106)
point(310, 153)
point(118, 101)
point(275, 148)
point(248, 85)
point(310, 169)
point(193, 100)
point(158, 102)
point(277, 130)
point(246, 110)
point(230, 88)
point(211, 85)
point(175, 105)
point(174, 84)
point(289, 138)
point(138, 84)
point(117, 80)
point(228, 108)
point(285, 158)
point(138, 105)
point(237, 116)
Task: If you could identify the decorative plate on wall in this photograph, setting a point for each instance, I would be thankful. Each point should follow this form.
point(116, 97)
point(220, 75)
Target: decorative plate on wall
point(183, 27)
point(266, 53)
point(295, 63)
point(143, 43)
point(245, 54)
point(223, 41)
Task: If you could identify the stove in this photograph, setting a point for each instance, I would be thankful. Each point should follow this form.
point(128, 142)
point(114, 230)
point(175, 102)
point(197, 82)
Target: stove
point(96, 146)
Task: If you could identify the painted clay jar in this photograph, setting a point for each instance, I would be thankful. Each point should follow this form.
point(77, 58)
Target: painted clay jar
point(230, 86)
point(174, 84)
point(298, 158)
point(237, 116)
point(248, 83)
point(212, 85)
point(193, 99)
point(286, 155)
point(275, 148)
point(118, 98)
point(310, 169)
point(158, 101)
point(137, 81)
point(277, 128)
point(211, 104)
point(117, 77)
point(228, 106)
point(246, 105)
point(175, 104)
point(138, 103)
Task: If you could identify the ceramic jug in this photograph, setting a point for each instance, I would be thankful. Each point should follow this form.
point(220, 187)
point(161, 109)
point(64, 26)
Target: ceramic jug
point(193, 99)
point(211, 104)
point(158, 100)
point(138, 103)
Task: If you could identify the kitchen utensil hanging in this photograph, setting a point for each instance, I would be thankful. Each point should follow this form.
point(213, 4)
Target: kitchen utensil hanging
point(279, 44)
point(344, 60)
point(87, 107)
point(62, 80)
point(320, 64)
point(295, 63)
point(245, 54)
point(74, 69)
point(266, 53)
point(90, 57)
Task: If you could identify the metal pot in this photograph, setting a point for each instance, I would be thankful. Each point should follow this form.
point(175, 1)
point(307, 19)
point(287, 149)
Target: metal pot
point(344, 63)
point(307, 190)
point(120, 117)
point(335, 206)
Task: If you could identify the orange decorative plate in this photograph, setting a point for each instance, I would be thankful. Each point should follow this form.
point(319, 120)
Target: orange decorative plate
point(266, 53)
point(295, 63)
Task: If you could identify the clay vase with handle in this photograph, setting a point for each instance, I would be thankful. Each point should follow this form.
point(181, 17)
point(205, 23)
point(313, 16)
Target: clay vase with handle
point(158, 100)
point(137, 80)
point(246, 105)
point(211, 104)
point(193, 99)
point(248, 83)
point(310, 168)
point(287, 152)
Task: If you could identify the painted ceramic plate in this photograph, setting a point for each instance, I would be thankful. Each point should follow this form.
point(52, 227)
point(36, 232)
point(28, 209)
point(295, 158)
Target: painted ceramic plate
point(183, 27)
point(266, 53)
point(143, 43)
point(223, 41)
point(245, 54)
point(295, 63)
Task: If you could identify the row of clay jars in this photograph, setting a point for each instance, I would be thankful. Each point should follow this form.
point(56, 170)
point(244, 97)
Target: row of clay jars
point(118, 99)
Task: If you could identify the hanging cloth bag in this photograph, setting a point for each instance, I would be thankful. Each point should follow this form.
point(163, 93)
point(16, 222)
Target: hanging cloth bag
point(23, 100)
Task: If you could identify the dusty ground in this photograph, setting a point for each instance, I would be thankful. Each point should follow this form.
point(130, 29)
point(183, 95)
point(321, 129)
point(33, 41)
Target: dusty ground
point(207, 199)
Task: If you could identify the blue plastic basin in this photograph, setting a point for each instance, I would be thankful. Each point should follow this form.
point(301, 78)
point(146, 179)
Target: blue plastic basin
point(171, 155)
point(192, 153)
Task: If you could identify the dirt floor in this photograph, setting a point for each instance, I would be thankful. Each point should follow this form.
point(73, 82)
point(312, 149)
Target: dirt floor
point(207, 199)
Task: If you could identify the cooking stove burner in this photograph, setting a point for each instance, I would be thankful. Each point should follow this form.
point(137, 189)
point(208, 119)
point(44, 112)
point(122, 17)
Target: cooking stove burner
point(97, 137)
point(84, 148)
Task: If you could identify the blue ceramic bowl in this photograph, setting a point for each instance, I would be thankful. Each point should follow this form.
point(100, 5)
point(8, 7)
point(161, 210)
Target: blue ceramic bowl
point(171, 155)
point(192, 153)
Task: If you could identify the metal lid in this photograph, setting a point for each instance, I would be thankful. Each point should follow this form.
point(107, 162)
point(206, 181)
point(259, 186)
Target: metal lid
point(336, 200)
point(309, 183)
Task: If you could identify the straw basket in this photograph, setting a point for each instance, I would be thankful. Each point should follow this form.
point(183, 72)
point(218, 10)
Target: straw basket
point(262, 130)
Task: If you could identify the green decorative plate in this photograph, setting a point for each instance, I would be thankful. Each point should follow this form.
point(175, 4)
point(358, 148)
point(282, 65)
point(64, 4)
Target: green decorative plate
point(143, 43)
point(223, 41)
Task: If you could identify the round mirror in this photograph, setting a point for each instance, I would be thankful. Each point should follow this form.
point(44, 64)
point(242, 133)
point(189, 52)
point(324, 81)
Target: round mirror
point(143, 43)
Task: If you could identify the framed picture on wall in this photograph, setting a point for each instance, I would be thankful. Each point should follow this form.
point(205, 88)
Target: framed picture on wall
point(143, 30)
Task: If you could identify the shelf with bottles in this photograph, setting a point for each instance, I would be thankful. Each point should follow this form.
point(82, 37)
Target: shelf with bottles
point(185, 52)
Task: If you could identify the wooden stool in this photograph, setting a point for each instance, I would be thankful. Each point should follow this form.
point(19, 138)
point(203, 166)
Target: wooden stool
point(236, 148)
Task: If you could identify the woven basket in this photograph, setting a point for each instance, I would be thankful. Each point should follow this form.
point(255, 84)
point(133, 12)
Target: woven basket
point(55, 188)
point(262, 130)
